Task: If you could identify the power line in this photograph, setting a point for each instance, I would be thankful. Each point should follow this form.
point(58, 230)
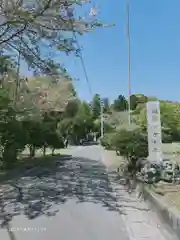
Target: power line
point(88, 83)
point(70, 15)
point(83, 64)
point(86, 75)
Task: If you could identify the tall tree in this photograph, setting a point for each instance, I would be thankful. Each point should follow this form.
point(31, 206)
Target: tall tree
point(83, 121)
point(72, 108)
point(106, 105)
point(96, 106)
point(31, 27)
point(141, 98)
point(41, 94)
point(170, 115)
point(133, 101)
point(84, 110)
point(120, 104)
point(137, 99)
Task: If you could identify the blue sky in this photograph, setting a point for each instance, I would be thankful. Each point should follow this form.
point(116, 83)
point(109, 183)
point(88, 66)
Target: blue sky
point(155, 51)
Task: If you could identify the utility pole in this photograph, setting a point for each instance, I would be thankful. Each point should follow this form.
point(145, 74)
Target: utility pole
point(102, 120)
point(129, 59)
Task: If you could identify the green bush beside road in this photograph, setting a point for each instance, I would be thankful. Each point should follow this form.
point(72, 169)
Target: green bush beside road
point(132, 145)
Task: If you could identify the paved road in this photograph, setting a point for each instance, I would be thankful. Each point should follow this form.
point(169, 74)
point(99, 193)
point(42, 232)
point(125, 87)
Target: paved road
point(80, 206)
point(79, 201)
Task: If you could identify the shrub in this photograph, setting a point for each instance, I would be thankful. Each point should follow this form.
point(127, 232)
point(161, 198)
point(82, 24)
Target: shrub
point(54, 141)
point(34, 135)
point(40, 134)
point(12, 142)
point(107, 141)
point(132, 145)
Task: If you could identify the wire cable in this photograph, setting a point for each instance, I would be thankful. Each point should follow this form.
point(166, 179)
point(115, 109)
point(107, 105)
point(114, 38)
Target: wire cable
point(70, 14)
point(83, 64)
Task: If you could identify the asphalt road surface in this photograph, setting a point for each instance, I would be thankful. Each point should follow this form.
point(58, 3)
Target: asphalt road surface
point(75, 199)
point(75, 203)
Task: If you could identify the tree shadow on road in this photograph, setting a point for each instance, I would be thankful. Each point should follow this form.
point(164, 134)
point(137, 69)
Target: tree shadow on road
point(42, 190)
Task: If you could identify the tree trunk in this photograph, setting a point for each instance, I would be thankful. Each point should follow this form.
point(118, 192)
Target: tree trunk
point(44, 151)
point(32, 150)
point(53, 151)
point(9, 156)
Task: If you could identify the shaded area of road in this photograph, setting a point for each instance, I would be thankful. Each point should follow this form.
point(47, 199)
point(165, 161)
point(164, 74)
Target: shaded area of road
point(141, 218)
point(69, 199)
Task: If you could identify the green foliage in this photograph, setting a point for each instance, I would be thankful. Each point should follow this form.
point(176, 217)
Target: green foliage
point(62, 116)
point(77, 122)
point(170, 113)
point(34, 133)
point(74, 93)
point(141, 119)
point(65, 127)
point(107, 141)
point(54, 140)
point(84, 109)
point(6, 64)
point(13, 141)
point(97, 125)
point(96, 106)
point(12, 138)
point(133, 102)
point(30, 111)
point(137, 100)
point(72, 108)
point(41, 134)
point(106, 105)
point(108, 128)
point(132, 144)
point(141, 98)
point(16, 134)
point(83, 121)
point(120, 104)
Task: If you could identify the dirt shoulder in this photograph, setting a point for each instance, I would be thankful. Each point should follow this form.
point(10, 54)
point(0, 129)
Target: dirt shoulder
point(111, 160)
point(167, 192)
